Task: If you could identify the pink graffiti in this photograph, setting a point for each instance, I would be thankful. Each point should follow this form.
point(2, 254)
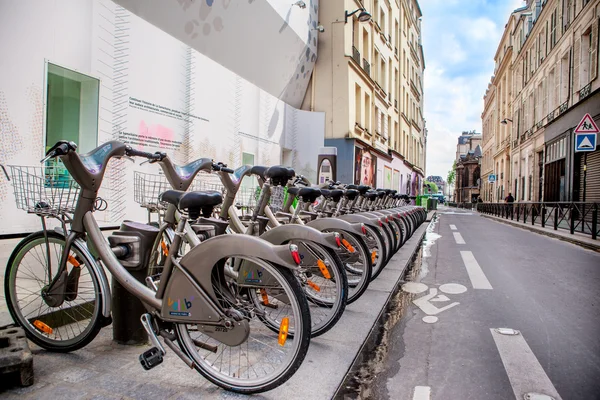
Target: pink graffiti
point(149, 133)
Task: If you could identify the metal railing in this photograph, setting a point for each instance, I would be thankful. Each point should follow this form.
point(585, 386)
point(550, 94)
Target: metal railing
point(356, 55)
point(367, 66)
point(572, 216)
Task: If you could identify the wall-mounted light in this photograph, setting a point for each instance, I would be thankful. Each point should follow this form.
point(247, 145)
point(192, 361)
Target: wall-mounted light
point(319, 28)
point(300, 4)
point(364, 16)
point(505, 121)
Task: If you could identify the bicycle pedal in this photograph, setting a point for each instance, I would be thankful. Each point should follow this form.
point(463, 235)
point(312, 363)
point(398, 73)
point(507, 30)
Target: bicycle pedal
point(151, 358)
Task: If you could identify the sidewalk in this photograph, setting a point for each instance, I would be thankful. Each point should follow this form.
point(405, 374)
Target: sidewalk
point(577, 238)
point(105, 370)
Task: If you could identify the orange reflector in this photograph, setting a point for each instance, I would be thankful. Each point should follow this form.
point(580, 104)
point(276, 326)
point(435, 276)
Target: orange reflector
point(42, 326)
point(348, 246)
point(265, 298)
point(323, 269)
point(314, 286)
point(73, 261)
point(283, 330)
point(164, 247)
point(373, 256)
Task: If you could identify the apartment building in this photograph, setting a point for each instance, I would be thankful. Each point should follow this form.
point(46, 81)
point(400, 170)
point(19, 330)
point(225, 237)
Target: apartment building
point(554, 68)
point(496, 120)
point(468, 168)
point(368, 80)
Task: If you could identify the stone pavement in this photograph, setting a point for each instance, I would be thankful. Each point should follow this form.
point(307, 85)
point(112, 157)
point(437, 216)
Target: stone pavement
point(106, 370)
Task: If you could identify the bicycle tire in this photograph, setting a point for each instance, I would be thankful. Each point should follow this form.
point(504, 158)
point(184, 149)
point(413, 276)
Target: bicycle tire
point(380, 263)
point(301, 337)
point(360, 289)
point(59, 315)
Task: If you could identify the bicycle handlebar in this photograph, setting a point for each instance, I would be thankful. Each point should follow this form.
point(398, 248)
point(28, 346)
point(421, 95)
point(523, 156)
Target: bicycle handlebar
point(222, 167)
point(157, 156)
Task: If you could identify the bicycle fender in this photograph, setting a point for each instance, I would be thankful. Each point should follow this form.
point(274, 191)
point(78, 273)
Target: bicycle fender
point(336, 224)
point(97, 269)
point(203, 257)
point(371, 221)
point(284, 233)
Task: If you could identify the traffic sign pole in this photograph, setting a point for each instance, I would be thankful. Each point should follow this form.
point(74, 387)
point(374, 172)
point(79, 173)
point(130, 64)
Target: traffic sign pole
point(584, 174)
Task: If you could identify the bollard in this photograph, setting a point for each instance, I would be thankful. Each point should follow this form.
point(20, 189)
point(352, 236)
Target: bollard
point(543, 216)
point(126, 313)
point(572, 221)
point(595, 222)
point(126, 308)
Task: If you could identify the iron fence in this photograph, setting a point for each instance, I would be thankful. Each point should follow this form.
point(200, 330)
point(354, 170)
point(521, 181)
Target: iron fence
point(572, 216)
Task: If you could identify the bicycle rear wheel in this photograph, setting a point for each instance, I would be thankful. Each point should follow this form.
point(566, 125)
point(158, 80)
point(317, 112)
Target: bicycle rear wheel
point(68, 326)
point(268, 357)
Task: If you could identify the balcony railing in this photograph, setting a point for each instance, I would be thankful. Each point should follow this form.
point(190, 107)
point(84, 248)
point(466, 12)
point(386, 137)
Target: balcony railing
point(367, 66)
point(396, 103)
point(540, 124)
point(515, 143)
point(585, 91)
point(356, 55)
point(563, 107)
point(550, 117)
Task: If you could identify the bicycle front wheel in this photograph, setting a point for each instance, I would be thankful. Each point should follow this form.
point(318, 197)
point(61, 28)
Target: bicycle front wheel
point(268, 357)
point(63, 327)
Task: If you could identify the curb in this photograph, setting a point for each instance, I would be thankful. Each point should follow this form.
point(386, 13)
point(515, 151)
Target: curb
point(371, 341)
point(541, 231)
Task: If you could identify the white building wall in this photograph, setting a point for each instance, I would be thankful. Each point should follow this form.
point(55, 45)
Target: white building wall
point(135, 61)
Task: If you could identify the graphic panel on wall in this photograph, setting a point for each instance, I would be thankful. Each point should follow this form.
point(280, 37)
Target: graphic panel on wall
point(365, 166)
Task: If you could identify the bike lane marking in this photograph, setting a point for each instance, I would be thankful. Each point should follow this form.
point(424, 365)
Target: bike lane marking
point(422, 393)
point(453, 227)
point(525, 373)
point(476, 275)
point(458, 238)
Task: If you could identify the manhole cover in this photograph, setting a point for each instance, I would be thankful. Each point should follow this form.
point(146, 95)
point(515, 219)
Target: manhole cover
point(507, 331)
point(537, 396)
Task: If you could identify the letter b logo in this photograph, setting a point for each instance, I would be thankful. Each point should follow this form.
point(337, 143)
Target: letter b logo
point(188, 304)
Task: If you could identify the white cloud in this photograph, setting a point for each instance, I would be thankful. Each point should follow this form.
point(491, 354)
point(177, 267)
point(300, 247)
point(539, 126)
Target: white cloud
point(459, 41)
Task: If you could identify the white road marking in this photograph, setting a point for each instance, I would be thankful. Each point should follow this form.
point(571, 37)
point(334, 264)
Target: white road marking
point(414, 287)
point(524, 371)
point(453, 288)
point(458, 238)
point(453, 227)
point(478, 279)
point(422, 393)
point(424, 303)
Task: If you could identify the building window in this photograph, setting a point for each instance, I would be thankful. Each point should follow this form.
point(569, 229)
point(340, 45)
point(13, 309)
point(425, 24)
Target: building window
point(357, 103)
point(553, 19)
point(72, 108)
point(367, 112)
point(250, 181)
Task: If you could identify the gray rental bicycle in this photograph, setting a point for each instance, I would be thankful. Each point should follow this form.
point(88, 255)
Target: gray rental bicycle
point(56, 288)
point(320, 274)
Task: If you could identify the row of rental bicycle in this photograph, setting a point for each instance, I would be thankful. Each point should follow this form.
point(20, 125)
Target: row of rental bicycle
point(236, 290)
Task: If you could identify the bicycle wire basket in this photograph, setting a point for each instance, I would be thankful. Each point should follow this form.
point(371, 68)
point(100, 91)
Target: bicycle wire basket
point(44, 190)
point(147, 188)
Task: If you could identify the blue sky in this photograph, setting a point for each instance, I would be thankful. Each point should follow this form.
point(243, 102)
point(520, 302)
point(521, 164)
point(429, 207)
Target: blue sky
point(460, 38)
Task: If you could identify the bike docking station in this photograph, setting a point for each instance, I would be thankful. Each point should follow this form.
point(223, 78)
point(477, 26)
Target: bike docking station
point(134, 240)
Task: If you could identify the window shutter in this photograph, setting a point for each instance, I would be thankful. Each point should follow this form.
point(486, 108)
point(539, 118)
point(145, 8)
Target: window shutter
point(557, 85)
point(576, 62)
point(594, 51)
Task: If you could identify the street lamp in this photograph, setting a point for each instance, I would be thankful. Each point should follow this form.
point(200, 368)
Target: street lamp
point(364, 16)
point(505, 121)
point(300, 4)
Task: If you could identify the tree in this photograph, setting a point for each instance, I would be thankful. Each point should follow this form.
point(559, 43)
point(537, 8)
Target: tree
point(452, 174)
point(432, 186)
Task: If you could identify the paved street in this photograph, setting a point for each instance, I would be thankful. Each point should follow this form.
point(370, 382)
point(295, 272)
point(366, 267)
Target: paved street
point(509, 278)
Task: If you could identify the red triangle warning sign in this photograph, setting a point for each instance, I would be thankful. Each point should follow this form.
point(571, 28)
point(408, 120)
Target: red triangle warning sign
point(587, 125)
